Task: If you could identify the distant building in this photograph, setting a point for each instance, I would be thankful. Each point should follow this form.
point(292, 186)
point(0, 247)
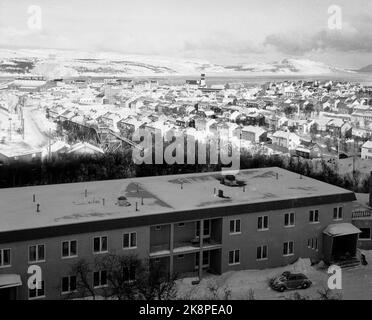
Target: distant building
point(253, 134)
point(13, 154)
point(84, 148)
point(287, 139)
point(367, 150)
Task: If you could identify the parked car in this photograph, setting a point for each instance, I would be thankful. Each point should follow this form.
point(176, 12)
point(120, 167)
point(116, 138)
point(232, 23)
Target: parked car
point(289, 281)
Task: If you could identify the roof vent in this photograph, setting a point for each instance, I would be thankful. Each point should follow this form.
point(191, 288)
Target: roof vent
point(123, 202)
point(221, 195)
point(231, 181)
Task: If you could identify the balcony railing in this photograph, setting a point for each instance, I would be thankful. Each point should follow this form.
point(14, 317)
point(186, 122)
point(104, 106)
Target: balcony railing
point(195, 243)
point(361, 214)
point(159, 247)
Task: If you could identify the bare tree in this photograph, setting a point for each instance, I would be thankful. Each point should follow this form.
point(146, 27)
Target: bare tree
point(156, 283)
point(122, 274)
point(82, 272)
point(128, 278)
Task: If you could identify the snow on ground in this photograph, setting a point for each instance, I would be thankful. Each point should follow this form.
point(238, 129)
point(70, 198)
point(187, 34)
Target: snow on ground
point(356, 283)
point(36, 127)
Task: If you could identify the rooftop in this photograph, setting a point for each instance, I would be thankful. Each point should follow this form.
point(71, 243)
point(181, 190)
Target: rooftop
point(66, 204)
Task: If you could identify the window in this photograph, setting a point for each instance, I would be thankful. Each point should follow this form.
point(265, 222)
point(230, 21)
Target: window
point(289, 219)
point(181, 224)
point(37, 293)
point(36, 253)
point(288, 248)
point(235, 226)
point(206, 257)
point(157, 228)
point(129, 273)
point(68, 284)
point(100, 279)
point(180, 256)
point(312, 243)
point(100, 244)
point(263, 223)
point(234, 257)
point(365, 234)
point(4, 257)
point(130, 240)
point(314, 216)
point(337, 213)
point(69, 249)
point(262, 252)
point(206, 229)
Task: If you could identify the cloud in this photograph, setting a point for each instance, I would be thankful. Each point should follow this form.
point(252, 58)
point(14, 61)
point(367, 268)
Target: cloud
point(355, 36)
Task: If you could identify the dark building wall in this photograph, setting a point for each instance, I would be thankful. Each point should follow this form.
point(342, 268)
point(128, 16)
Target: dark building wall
point(250, 237)
point(55, 267)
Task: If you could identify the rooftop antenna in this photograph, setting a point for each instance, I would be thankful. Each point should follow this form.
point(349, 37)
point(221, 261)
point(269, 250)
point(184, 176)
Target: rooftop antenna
point(136, 206)
point(33, 198)
point(103, 201)
point(86, 193)
point(38, 207)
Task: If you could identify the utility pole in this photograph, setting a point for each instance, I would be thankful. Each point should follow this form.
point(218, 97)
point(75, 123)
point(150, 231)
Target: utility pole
point(10, 129)
point(49, 145)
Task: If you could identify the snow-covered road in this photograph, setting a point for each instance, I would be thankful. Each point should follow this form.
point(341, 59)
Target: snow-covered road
point(35, 136)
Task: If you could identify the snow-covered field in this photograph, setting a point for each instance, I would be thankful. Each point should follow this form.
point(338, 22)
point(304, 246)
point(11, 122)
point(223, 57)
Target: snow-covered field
point(356, 283)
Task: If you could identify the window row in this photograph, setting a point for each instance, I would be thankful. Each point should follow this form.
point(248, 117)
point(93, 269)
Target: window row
point(288, 220)
point(69, 249)
point(261, 252)
point(69, 283)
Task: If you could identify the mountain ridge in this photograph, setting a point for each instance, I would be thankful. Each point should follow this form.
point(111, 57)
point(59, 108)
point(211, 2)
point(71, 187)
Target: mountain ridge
point(60, 63)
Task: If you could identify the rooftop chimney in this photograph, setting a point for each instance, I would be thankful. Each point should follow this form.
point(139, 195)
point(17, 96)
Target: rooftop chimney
point(38, 207)
point(220, 193)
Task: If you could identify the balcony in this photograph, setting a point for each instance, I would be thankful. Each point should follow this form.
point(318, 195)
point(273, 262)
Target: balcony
point(159, 250)
point(194, 245)
point(360, 214)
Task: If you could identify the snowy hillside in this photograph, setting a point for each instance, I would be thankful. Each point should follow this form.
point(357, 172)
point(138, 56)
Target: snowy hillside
point(58, 63)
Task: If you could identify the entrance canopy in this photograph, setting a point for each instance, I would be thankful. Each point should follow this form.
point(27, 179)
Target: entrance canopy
point(10, 280)
point(341, 229)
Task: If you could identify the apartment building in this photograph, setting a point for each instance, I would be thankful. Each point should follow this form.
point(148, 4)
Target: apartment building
point(190, 224)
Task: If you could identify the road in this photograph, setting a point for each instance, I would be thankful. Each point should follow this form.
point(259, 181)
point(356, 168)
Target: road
point(34, 135)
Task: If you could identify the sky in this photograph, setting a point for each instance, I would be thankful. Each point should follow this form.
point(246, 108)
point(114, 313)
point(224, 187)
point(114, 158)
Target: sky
point(226, 32)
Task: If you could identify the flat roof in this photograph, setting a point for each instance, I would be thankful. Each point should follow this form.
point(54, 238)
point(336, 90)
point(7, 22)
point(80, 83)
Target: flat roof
point(189, 194)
